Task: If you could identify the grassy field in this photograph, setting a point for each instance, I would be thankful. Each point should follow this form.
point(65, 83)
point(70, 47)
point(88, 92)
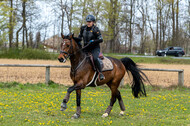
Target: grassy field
point(39, 105)
point(41, 54)
point(27, 54)
point(157, 60)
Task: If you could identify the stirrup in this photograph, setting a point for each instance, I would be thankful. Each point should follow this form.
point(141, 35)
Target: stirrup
point(101, 76)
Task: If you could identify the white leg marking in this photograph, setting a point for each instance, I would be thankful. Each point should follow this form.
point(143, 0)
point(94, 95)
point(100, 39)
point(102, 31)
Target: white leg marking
point(121, 113)
point(105, 115)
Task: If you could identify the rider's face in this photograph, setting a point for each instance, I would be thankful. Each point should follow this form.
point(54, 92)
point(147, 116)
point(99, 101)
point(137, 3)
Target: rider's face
point(89, 23)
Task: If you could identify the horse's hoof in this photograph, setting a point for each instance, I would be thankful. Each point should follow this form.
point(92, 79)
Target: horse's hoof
point(75, 116)
point(121, 113)
point(105, 115)
point(63, 106)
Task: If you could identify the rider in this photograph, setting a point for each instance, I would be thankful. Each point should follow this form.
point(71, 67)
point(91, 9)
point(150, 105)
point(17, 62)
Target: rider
point(91, 35)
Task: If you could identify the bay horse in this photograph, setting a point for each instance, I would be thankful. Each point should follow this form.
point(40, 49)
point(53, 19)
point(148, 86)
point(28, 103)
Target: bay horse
point(82, 73)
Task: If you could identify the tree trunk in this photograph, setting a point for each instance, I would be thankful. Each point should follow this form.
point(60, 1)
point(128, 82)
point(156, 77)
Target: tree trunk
point(24, 22)
point(156, 45)
point(142, 29)
point(62, 16)
point(27, 43)
point(115, 28)
point(11, 24)
point(160, 13)
point(38, 40)
point(17, 36)
point(30, 40)
point(83, 11)
point(126, 37)
point(23, 37)
point(173, 19)
point(153, 34)
point(71, 17)
point(111, 27)
point(130, 27)
point(177, 26)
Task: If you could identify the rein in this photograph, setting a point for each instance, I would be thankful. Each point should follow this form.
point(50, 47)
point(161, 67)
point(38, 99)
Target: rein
point(78, 66)
point(70, 54)
point(81, 49)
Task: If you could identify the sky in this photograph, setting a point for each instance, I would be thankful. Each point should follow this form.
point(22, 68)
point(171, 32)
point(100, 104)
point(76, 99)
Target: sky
point(48, 16)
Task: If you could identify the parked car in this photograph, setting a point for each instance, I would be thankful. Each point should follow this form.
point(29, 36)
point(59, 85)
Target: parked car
point(171, 51)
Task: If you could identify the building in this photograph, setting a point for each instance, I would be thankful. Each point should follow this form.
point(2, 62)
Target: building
point(52, 44)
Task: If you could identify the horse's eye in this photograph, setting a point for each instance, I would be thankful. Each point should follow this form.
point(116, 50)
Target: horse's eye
point(67, 45)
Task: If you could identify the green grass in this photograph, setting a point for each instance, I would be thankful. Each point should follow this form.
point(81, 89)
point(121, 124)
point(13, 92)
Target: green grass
point(27, 54)
point(40, 105)
point(41, 54)
point(158, 60)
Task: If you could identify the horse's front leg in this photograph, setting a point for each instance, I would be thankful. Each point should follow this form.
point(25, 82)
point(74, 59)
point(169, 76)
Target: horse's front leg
point(66, 98)
point(78, 101)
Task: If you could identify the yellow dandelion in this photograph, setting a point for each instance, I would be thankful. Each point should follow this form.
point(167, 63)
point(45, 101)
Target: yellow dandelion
point(111, 122)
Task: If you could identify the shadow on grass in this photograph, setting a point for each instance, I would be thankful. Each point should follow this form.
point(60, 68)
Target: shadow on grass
point(158, 88)
point(52, 84)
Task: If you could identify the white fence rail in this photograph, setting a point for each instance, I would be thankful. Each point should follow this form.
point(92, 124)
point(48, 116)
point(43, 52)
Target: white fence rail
point(47, 73)
point(180, 73)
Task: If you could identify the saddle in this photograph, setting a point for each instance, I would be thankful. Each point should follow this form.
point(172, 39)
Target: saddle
point(106, 63)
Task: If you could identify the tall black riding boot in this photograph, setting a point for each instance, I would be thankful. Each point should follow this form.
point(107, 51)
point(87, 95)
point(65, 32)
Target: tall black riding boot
point(98, 66)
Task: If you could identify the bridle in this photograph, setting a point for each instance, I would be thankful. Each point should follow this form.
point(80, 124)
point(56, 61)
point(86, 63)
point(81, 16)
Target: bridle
point(73, 70)
point(70, 48)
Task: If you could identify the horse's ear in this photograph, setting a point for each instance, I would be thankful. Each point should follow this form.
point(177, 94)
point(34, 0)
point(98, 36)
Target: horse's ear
point(62, 35)
point(71, 35)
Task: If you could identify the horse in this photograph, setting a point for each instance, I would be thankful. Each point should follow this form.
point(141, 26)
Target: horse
point(82, 73)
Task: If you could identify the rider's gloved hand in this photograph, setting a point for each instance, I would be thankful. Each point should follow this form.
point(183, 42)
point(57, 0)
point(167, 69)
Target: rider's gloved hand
point(91, 41)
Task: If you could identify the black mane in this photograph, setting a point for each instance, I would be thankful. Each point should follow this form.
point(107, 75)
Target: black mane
point(78, 41)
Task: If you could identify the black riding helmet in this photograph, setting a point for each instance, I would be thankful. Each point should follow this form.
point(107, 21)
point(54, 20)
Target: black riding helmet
point(90, 18)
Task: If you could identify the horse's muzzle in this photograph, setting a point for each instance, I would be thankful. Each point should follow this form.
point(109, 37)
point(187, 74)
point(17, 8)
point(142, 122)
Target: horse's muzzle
point(61, 60)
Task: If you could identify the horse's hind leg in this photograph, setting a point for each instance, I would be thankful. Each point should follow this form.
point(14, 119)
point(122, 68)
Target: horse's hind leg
point(121, 104)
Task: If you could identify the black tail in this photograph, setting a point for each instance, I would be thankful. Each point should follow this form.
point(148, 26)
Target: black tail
point(138, 77)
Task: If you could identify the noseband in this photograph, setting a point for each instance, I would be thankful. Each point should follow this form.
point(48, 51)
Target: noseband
point(67, 53)
point(71, 47)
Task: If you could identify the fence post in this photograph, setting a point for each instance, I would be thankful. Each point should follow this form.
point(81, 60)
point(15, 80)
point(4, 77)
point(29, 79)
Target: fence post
point(181, 78)
point(47, 74)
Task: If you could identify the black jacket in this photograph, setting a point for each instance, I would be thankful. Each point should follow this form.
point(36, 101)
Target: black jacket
point(93, 33)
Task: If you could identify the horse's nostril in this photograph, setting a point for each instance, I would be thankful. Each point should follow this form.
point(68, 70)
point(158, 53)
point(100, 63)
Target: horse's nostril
point(60, 59)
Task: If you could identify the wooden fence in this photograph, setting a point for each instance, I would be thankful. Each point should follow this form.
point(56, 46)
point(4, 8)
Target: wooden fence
point(47, 73)
point(180, 73)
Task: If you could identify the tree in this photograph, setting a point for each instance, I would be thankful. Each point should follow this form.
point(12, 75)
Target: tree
point(173, 20)
point(27, 21)
point(69, 12)
point(177, 23)
point(111, 24)
point(23, 24)
point(4, 22)
point(31, 41)
point(142, 7)
point(38, 40)
point(11, 24)
point(120, 21)
point(132, 4)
